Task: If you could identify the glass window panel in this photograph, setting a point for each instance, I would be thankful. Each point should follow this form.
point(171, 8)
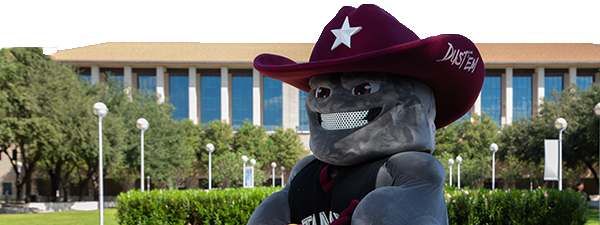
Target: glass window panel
point(272, 103)
point(114, 74)
point(551, 84)
point(585, 81)
point(146, 84)
point(521, 97)
point(303, 115)
point(210, 92)
point(491, 98)
point(178, 97)
point(86, 78)
point(241, 97)
point(118, 79)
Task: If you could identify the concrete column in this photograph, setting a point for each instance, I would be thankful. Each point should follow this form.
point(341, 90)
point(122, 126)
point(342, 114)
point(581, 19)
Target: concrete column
point(160, 83)
point(95, 74)
point(477, 105)
point(508, 93)
point(127, 73)
point(539, 95)
point(225, 96)
point(572, 75)
point(192, 95)
point(290, 106)
point(257, 97)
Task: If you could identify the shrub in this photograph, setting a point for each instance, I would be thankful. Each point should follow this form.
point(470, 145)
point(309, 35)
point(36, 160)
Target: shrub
point(194, 206)
point(235, 206)
point(540, 206)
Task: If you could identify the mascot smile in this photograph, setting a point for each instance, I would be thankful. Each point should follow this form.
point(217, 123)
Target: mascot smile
point(376, 95)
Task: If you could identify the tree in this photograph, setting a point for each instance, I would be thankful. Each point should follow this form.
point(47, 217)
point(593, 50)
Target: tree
point(286, 149)
point(470, 140)
point(33, 88)
point(525, 138)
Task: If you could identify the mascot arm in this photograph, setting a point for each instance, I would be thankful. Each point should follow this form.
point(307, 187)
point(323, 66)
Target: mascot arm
point(275, 209)
point(413, 195)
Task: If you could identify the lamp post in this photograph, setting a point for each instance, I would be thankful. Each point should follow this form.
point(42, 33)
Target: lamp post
point(450, 163)
point(210, 148)
point(493, 149)
point(245, 159)
point(273, 165)
point(597, 113)
point(560, 124)
point(282, 175)
point(100, 110)
point(142, 125)
point(458, 160)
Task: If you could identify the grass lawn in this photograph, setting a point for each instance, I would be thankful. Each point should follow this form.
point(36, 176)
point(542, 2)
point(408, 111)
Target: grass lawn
point(592, 217)
point(110, 217)
point(68, 217)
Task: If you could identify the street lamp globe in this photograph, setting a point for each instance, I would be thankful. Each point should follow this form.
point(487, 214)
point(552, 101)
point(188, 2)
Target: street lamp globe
point(142, 124)
point(597, 110)
point(245, 158)
point(99, 109)
point(458, 159)
point(252, 162)
point(451, 162)
point(210, 148)
point(560, 124)
point(493, 148)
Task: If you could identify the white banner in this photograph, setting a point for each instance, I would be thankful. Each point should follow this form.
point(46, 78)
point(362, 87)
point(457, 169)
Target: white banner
point(249, 177)
point(551, 160)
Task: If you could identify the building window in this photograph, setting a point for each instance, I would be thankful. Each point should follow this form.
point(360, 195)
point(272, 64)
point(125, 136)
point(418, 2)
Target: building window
point(114, 74)
point(210, 95)
point(178, 93)
point(585, 77)
point(85, 74)
point(522, 91)
point(585, 81)
point(491, 95)
point(303, 127)
point(241, 96)
point(553, 81)
point(146, 80)
point(272, 103)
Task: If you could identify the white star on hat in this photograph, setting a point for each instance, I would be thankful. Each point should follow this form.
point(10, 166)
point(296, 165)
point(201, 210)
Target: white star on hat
point(343, 34)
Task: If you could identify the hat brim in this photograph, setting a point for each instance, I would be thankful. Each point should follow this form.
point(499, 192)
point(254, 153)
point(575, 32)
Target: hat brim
point(455, 86)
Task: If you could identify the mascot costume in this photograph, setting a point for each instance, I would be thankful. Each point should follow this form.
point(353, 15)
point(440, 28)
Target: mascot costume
point(376, 95)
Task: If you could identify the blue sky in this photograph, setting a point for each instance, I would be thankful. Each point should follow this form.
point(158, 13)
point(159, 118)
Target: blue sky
point(65, 24)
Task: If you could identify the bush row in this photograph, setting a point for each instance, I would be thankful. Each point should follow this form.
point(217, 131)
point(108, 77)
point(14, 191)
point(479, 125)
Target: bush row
point(193, 206)
point(540, 206)
point(235, 206)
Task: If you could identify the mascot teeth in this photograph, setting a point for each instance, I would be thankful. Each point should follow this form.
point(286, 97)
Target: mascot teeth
point(347, 120)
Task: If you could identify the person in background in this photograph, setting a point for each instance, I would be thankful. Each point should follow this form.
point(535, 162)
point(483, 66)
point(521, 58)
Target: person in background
point(580, 189)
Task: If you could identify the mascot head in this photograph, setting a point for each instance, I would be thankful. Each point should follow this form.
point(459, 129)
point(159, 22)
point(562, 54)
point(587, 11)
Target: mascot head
point(375, 88)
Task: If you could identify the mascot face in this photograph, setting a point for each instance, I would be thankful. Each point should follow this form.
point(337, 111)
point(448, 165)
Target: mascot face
point(360, 116)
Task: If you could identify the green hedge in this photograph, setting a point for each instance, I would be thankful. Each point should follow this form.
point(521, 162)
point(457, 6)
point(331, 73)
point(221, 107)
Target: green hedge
point(235, 206)
point(540, 206)
point(194, 206)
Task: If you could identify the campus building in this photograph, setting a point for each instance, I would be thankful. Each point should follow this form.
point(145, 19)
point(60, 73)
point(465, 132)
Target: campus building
point(208, 81)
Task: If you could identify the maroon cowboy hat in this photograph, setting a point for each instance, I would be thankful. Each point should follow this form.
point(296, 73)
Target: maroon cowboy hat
point(368, 38)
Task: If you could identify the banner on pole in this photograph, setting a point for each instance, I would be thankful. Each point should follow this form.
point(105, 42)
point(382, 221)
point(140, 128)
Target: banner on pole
point(551, 159)
point(249, 177)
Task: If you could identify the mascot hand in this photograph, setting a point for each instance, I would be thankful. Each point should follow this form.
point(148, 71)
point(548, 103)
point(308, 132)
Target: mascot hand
point(346, 215)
